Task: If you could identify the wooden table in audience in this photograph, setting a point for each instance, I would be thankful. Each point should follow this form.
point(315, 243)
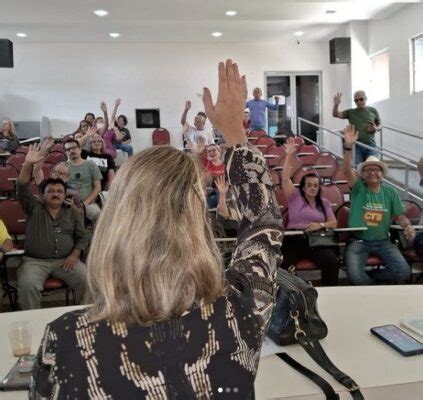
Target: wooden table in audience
point(350, 312)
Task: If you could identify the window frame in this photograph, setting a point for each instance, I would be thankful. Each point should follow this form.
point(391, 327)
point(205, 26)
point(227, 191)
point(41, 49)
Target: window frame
point(413, 71)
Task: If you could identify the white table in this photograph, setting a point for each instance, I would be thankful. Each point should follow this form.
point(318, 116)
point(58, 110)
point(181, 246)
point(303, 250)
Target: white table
point(350, 312)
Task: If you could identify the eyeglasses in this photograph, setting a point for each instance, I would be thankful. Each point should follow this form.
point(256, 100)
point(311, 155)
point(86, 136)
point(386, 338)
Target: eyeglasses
point(372, 170)
point(359, 99)
point(61, 173)
point(70, 148)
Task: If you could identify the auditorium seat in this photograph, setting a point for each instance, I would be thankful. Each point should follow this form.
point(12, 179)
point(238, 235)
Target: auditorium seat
point(274, 155)
point(308, 154)
point(16, 161)
point(298, 175)
point(334, 194)
point(326, 164)
point(55, 157)
point(160, 137)
point(8, 177)
point(264, 142)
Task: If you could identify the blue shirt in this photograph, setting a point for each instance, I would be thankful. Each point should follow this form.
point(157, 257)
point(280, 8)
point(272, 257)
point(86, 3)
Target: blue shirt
point(258, 112)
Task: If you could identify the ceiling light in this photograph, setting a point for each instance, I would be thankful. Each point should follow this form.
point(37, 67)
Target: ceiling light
point(101, 13)
point(217, 34)
point(330, 11)
point(299, 33)
point(230, 13)
point(114, 35)
point(21, 34)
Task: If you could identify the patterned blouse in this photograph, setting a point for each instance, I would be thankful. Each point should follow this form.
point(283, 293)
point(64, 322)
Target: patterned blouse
point(210, 353)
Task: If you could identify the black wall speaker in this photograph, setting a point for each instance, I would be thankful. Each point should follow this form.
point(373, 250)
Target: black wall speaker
point(6, 53)
point(340, 50)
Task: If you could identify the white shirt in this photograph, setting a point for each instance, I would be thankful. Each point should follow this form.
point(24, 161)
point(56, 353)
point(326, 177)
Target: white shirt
point(193, 134)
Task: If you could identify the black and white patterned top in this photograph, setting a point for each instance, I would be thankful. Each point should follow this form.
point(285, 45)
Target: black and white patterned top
point(210, 353)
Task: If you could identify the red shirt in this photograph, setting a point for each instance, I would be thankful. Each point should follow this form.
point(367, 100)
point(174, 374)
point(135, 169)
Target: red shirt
point(213, 169)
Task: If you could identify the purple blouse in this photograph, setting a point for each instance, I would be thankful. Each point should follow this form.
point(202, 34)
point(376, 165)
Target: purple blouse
point(109, 137)
point(301, 214)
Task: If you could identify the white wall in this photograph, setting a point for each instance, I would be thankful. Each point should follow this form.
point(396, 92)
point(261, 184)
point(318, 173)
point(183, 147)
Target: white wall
point(64, 81)
point(339, 80)
point(402, 110)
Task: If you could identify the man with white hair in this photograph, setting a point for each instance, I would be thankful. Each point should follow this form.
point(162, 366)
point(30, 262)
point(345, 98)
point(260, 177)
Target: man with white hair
point(198, 132)
point(373, 205)
point(365, 119)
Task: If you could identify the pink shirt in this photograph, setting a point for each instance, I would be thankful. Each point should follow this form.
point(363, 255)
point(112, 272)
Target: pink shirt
point(301, 214)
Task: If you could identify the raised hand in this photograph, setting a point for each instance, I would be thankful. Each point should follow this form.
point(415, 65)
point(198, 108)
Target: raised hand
point(118, 102)
point(103, 106)
point(222, 185)
point(187, 105)
point(91, 131)
point(199, 146)
point(46, 146)
point(337, 99)
point(290, 146)
point(350, 135)
point(227, 113)
point(371, 127)
point(34, 154)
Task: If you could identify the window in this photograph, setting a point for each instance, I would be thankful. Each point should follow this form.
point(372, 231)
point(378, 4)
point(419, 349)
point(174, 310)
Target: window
point(417, 64)
point(379, 82)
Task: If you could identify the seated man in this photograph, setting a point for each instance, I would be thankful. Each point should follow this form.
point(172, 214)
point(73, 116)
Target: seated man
point(85, 177)
point(55, 238)
point(193, 133)
point(373, 205)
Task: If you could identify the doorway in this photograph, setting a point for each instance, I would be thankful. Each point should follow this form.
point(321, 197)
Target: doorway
point(299, 96)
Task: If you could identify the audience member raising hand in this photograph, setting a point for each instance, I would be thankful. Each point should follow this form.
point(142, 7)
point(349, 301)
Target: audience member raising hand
point(307, 211)
point(166, 287)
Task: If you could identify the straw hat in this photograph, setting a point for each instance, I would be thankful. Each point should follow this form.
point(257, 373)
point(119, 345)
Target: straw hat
point(372, 160)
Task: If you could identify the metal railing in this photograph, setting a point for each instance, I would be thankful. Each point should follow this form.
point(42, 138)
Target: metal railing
point(404, 161)
point(389, 129)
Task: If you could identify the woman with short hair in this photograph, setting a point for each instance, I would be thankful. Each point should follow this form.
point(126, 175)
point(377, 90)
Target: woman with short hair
point(167, 321)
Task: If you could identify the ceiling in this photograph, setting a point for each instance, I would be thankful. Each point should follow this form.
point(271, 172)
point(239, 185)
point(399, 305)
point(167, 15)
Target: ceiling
point(182, 20)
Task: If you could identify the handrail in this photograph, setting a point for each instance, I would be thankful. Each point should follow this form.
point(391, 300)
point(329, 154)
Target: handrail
point(409, 164)
point(377, 149)
point(403, 132)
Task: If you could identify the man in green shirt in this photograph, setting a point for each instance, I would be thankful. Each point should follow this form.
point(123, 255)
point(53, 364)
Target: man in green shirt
point(365, 119)
point(54, 240)
point(373, 205)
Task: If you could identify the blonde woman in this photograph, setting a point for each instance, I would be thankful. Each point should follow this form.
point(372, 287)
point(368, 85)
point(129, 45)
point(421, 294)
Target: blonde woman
point(8, 138)
point(167, 322)
point(102, 159)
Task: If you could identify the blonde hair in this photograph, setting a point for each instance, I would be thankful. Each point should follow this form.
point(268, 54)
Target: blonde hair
point(153, 254)
point(12, 129)
point(103, 145)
